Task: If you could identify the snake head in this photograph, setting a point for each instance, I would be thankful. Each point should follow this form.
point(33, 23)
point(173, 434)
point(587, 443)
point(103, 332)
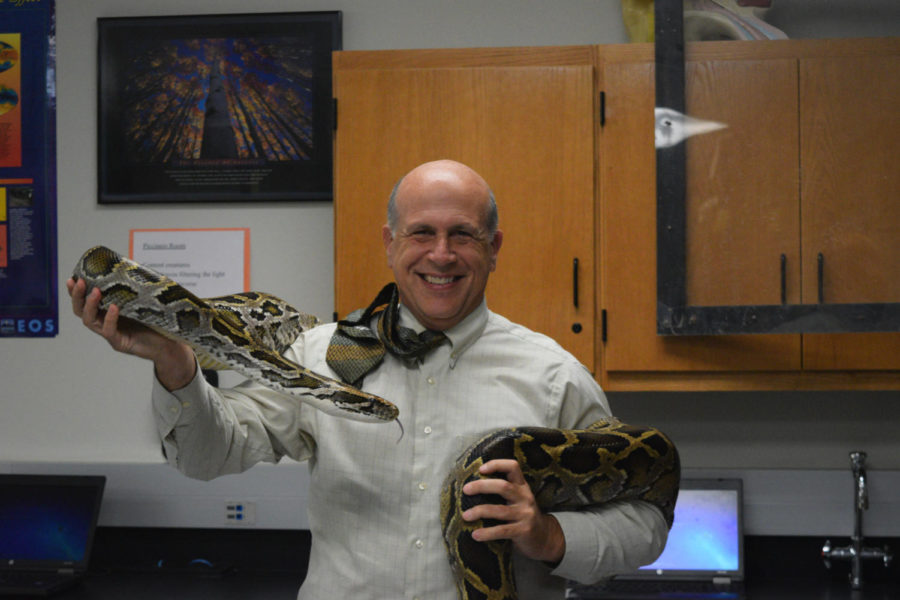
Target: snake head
point(362, 403)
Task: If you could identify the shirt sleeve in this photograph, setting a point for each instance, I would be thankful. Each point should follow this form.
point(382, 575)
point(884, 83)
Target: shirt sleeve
point(207, 431)
point(617, 537)
point(613, 538)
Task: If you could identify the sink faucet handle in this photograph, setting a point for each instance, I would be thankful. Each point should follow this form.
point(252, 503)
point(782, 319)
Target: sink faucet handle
point(858, 466)
point(826, 554)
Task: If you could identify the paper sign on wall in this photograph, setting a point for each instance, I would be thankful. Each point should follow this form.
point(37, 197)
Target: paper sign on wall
point(208, 262)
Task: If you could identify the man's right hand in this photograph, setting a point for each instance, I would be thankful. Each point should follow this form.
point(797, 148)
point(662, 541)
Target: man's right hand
point(173, 360)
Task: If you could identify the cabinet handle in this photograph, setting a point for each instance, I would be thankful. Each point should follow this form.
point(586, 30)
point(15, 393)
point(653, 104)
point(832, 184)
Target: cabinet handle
point(820, 260)
point(575, 282)
point(783, 279)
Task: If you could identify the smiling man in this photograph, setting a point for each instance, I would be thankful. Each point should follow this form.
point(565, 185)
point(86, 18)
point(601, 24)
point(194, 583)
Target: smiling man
point(454, 369)
point(442, 241)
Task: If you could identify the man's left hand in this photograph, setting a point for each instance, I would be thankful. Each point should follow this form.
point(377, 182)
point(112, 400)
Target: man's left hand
point(534, 534)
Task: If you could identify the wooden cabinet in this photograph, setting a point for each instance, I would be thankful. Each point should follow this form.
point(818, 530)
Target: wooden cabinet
point(850, 190)
point(850, 140)
point(633, 355)
point(783, 178)
point(795, 172)
point(524, 119)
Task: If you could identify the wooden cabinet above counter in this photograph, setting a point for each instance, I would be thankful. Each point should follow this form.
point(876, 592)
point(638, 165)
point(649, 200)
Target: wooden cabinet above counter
point(565, 138)
point(757, 195)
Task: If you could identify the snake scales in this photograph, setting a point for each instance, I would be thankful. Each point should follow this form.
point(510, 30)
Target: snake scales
point(248, 332)
point(566, 470)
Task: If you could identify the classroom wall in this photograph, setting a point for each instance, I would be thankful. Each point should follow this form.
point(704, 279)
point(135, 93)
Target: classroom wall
point(69, 403)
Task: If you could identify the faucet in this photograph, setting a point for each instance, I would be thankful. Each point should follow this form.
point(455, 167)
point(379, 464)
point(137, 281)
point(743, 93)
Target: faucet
point(856, 552)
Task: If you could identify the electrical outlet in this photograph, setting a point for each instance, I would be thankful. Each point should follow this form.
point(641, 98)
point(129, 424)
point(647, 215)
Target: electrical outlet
point(240, 512)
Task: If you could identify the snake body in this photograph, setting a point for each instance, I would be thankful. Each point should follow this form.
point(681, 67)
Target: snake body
point(566, 470)
point(246, 332)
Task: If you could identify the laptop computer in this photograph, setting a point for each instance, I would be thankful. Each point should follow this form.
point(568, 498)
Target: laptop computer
point(704, 555)
point(47, 527)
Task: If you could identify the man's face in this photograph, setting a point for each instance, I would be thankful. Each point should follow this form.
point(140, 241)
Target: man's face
point(441, 252)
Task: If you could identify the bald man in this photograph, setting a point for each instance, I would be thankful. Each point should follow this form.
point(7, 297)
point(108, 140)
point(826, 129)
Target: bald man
point(374, 502)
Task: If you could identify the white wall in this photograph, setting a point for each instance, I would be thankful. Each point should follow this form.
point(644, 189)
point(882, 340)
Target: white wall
point(71, 400)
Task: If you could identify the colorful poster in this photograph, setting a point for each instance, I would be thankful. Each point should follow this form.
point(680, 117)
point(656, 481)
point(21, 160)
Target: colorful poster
point(10, 114)
point(28, 271)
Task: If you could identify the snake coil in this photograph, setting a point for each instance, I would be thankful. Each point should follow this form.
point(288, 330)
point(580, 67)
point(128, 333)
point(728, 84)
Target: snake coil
point(566, 470)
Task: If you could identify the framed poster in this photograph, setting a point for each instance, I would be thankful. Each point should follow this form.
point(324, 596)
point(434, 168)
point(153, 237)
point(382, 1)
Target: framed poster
point(216, 108)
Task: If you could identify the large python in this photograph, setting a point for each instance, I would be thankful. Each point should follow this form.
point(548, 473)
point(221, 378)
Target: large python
point(246, 332)
point(566, 470)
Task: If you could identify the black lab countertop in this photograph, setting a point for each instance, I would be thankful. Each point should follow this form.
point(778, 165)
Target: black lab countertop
point(234, 564)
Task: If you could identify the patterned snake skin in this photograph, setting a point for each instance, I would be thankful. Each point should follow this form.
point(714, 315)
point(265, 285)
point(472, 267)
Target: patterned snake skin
point(566, 470)
point(245, 332)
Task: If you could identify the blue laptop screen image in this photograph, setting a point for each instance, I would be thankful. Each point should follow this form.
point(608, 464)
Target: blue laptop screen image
point(45, 523)
point(706, 534)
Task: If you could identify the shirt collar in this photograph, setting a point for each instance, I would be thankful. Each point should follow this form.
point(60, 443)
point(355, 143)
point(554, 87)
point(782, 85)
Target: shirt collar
point(461, 336)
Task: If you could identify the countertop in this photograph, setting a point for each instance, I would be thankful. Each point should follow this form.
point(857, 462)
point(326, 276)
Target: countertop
point(183, 586)
point(284, 586)
point(162, 564)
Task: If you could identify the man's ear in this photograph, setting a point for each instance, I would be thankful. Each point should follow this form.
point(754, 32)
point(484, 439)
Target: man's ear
point(387, 237)
point(495, 248)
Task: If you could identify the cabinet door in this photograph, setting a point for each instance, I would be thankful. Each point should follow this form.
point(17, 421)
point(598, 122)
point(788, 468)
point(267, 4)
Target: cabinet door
point(527, 129)
point(742, 202)
point(850, 139)
point(628, 244)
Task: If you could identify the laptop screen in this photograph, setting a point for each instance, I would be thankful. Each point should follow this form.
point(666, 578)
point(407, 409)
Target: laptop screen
point(48, 521)
point(707, 535)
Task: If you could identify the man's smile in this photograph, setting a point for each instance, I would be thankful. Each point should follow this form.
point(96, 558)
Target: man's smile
point(439, 279)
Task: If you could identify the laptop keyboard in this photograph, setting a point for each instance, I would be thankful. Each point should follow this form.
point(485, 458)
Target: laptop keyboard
point(31, 578)
point(635, 588)
point(661, 586)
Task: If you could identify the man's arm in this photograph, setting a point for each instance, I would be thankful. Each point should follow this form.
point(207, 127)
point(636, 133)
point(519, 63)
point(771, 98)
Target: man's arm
point(205, 431)
point(585, 545)
point(613, 538)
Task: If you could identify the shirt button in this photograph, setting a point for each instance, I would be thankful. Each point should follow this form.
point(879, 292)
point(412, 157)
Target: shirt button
point(430, 380)
point(173, 409)
point(427, 429)
point(423, 486)
point(420, 544)
point(186, 404)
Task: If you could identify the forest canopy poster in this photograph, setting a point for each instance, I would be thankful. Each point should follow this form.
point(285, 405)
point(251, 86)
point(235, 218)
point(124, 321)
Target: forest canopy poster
point(216, 108)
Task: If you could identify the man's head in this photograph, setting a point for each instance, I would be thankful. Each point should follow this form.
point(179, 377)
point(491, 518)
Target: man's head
point(442, 241)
